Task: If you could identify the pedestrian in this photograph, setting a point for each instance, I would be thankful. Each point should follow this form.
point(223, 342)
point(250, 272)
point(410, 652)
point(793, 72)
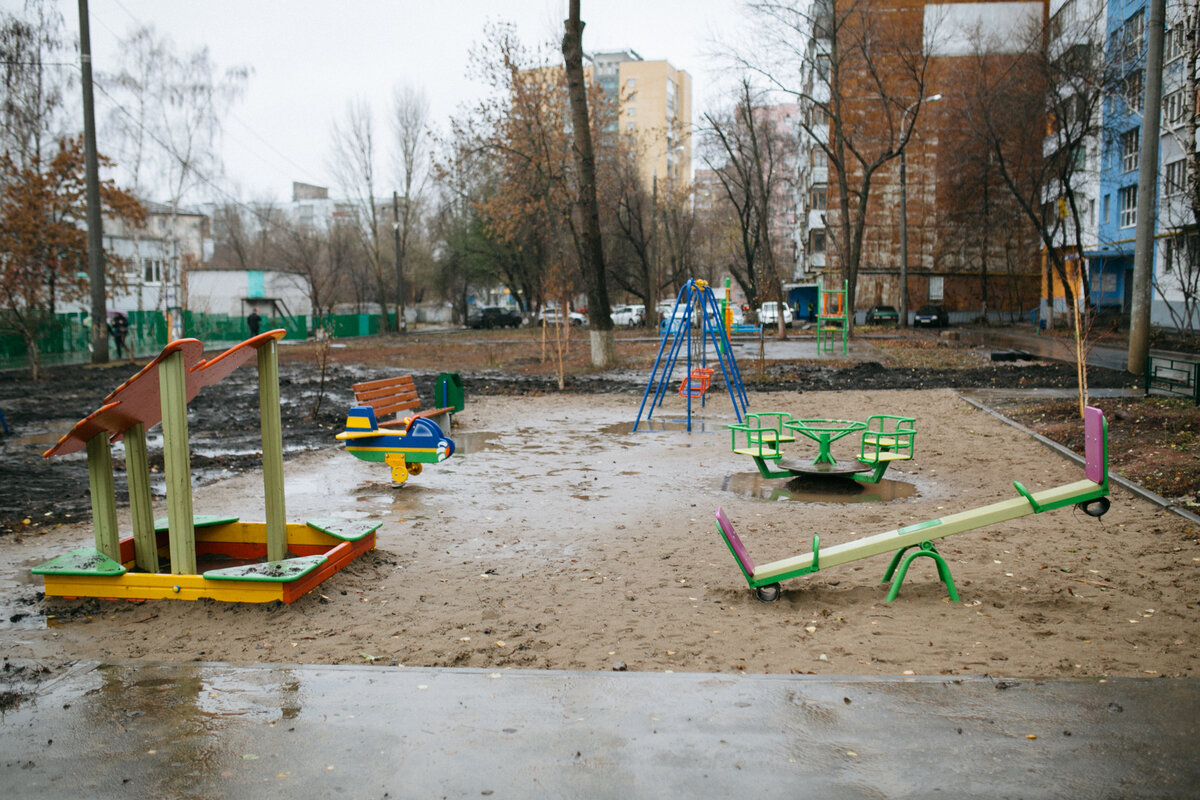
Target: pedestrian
point(119, 328)
point(252, 322)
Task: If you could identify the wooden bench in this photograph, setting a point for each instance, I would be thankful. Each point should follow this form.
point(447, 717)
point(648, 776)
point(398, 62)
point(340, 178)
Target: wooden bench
point(398, 396)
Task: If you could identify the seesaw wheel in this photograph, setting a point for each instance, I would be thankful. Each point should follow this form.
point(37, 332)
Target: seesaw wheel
point(768, 593)
point(1096, 508)
point(414, 468)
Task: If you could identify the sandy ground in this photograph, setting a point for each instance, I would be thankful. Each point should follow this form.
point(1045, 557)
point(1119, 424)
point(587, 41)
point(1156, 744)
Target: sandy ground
point(556, 538)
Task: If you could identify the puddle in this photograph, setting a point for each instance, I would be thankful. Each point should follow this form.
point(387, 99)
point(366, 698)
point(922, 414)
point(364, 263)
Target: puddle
point(808, 489)
point(680, 424)
point(473, 441)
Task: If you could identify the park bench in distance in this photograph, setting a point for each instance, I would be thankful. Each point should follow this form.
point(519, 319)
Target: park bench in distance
point(398, 395)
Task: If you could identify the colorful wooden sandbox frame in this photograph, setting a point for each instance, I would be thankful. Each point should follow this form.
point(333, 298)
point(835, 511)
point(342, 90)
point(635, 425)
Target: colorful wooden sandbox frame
point(265, 561)
point(1090, 494)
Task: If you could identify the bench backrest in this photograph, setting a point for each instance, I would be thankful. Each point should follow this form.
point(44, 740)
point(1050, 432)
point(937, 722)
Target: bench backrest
point(388, 395)
point(735, 544)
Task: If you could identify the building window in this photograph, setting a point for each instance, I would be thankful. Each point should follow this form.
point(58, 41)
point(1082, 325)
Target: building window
point(936, 288)
point(152, 270)
point(631, 127)
point(818, 242)
point(631, 111)
point(1133, 35)
point(818, 198)
point(1173, 108)
point(1134, 94)
point(1173, 43)
point(819, 159)
point(823, 68)
point(1105, 206)
point(630, 82)
point(1175, 177)
point(1127, 198)
point(1130, 144)
point(1183, 252)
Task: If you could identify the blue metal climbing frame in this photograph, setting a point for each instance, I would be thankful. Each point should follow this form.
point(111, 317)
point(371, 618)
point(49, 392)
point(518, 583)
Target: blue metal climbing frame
point(696, 321)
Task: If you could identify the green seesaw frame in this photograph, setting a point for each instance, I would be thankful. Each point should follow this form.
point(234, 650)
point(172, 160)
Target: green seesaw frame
point(885, 438)
point(1090, 494)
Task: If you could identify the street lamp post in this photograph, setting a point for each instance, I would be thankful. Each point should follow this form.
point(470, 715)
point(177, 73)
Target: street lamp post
point(904, 211)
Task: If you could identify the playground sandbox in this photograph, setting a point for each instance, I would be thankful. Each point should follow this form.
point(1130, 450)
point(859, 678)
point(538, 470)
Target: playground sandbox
point(556, 538)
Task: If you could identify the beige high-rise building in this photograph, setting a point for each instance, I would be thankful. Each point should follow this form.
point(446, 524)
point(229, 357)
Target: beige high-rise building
point(655, 102)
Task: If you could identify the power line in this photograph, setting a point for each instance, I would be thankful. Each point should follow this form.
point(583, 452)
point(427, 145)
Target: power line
point(305, 171)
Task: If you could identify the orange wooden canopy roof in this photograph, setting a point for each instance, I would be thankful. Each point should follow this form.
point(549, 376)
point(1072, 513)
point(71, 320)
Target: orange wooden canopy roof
point(138, 399)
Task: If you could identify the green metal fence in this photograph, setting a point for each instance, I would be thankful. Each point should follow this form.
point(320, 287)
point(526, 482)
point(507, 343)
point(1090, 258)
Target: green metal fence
point(66, 339)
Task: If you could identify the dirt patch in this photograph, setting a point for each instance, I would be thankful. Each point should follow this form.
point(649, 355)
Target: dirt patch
point(1153, 441)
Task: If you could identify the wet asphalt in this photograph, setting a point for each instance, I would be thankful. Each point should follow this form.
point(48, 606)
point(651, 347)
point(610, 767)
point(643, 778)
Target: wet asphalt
point(213, 730)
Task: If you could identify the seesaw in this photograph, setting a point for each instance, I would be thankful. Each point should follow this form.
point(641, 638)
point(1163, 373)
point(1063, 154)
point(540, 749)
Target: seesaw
point(885, 438)
point(219, 558)
point(405, 448)
point(1090, 494)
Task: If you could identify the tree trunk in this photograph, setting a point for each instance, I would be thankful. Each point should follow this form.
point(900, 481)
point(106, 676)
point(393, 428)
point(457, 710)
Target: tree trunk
point(587, 213)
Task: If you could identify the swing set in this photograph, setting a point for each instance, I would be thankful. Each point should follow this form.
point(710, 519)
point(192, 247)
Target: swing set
point(695, 323)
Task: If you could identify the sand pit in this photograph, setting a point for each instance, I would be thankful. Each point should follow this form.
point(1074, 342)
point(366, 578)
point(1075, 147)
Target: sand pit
point(555, 538)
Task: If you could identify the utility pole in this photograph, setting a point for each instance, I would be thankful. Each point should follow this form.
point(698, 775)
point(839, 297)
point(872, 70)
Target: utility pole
point(1143, 253)
point(92, 174)
point(399, 263)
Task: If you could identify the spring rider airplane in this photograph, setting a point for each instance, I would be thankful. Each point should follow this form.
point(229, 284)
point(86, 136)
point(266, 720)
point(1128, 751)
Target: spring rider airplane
point(405, 448)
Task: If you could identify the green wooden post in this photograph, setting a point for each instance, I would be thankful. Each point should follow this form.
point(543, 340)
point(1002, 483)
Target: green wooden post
point(104, 496)
point(172, 386)
point(137, 473)
point(272, 450)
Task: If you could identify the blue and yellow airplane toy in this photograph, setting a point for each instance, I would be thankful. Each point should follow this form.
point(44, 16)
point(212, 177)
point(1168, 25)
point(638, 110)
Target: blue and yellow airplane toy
point(404, 449)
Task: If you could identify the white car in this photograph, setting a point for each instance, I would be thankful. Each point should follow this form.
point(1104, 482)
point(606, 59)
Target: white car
point(550, 316)
point(630, 316)
point(768, 314)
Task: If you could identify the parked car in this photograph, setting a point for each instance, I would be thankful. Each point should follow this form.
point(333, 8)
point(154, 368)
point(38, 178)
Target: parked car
point(878, 315)
point(551, 316)
point(768, 314)
point(493, 317)
point(931, 317)
point(630, 316)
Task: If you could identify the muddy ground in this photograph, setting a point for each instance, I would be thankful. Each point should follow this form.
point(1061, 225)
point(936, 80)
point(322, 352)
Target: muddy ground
point(556, 538)
point(37, 492)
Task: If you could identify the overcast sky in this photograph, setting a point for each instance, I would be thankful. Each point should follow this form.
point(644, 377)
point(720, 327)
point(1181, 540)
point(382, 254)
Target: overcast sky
point(310, 57)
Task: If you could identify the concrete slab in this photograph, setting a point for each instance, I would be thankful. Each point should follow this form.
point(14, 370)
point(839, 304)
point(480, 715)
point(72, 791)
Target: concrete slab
point(213, 730)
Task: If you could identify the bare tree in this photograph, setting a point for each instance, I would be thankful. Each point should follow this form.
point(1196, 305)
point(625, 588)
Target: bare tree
point(860, 79)
point(630, 258)
point(168, 123)
point(353, 164)
point(33, 50)
point(750, 157)
point(410, 122)
point(1059, 82)
point(586, 212)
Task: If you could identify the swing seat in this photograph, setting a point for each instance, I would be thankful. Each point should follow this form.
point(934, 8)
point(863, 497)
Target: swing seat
point(696, 384)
